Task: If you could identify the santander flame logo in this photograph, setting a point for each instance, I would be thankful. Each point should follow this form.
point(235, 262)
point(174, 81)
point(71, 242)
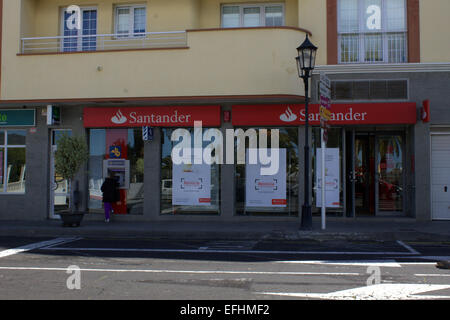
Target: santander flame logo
point(288, 116)
point(119, 118)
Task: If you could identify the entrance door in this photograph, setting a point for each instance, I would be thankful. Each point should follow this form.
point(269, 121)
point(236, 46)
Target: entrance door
point(59, 196)
point(374, 174)
point(364, 197)
point(440, 176)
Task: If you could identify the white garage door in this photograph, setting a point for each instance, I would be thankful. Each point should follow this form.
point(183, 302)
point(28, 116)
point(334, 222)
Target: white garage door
point(440, 176)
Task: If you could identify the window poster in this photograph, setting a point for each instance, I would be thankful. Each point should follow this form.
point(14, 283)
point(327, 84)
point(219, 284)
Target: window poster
point(266, 190)
point(332, 177)
point(191, 185)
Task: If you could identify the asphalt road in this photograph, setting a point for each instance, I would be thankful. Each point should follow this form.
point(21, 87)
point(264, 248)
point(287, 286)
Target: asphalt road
point(96, 269)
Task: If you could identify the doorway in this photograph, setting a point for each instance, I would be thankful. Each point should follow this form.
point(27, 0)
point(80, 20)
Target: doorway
point(59, 193)
point(375, 173)
point(440, 176)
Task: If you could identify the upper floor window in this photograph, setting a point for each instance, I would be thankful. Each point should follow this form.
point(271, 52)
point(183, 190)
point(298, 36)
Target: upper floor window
point(252, 15)
point(372, 31)
point(131, 21)
point(83, 39)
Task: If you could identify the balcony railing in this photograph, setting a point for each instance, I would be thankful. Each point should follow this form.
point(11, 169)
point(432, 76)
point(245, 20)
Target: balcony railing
point(104, 42)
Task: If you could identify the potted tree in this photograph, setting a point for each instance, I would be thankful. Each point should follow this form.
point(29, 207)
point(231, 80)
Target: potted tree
point(71, 153)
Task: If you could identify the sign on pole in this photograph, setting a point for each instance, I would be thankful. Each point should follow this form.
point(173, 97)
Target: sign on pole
point(325, 116)
point(147, 133)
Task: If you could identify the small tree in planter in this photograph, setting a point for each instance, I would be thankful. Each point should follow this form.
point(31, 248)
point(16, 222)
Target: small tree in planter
point(71, 153)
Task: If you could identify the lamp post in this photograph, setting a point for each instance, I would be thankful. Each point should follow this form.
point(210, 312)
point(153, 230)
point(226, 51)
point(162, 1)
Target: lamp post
point(306, 60)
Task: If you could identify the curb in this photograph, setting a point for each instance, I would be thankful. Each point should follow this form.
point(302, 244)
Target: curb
point(193, 234)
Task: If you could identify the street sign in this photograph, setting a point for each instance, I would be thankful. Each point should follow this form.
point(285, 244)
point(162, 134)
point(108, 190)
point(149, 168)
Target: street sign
point(325, 116)
point(53, 115)
point(147, 133)
point(325, 104)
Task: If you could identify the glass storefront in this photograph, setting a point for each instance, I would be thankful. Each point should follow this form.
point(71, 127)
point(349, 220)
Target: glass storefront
point(188, 188)
point(368, 167)
point(126, 144)
point(276, 195)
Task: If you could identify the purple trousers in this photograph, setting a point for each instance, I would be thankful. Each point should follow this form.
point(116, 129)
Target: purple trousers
point(108, 208)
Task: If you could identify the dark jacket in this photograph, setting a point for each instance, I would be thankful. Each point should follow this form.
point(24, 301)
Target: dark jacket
point(110, 189)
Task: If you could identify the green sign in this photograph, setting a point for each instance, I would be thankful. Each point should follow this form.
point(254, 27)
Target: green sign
point(17, 118)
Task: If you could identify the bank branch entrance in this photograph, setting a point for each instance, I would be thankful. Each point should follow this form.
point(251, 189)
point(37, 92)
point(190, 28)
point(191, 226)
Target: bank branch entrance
point(375, 173)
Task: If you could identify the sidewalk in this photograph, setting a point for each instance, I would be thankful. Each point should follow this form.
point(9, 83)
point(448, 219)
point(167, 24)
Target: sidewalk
point(337, 228)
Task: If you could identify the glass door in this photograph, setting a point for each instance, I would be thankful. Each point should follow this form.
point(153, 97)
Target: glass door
point(59, 196)
point(390, 174)
point(374, 173)
point(364, 196)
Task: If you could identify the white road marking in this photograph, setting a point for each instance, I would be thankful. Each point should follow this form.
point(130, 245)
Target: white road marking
point(431, 275)
point(36, 245)
point(380, 263)
point(386, 291)
point(193, 271)
point(206, 249)
point(407, 247)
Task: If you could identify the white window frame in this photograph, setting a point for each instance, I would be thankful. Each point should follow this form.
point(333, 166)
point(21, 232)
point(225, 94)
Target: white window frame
point(4, 145)
point(262, 13)
point(362, 33)
point(80, 36)
point(131, 33)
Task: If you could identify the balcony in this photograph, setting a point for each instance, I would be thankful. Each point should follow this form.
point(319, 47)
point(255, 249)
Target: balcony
point(103, 42)
point(193, 63)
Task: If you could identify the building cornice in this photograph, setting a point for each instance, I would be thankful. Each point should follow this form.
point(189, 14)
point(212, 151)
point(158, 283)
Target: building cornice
point(383, 68)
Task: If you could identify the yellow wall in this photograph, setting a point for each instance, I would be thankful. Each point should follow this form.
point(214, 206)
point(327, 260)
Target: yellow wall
point(434, 30)
point(230, 62)
point(313, 16)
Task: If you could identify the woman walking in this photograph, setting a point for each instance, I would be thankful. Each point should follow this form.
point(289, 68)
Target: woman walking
point(110, 189)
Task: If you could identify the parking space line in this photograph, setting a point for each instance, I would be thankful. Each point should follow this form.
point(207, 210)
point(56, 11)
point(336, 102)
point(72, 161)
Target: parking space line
point(37, 245)
point(407, 247)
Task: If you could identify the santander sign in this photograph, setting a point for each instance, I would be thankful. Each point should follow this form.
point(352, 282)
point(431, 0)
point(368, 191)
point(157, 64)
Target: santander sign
point(165, 116)
point(341, 114)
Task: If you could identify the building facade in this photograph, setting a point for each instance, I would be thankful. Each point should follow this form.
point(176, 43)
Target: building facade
point(127, 76)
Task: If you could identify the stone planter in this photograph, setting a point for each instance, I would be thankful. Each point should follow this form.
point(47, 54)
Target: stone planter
point(71, 219)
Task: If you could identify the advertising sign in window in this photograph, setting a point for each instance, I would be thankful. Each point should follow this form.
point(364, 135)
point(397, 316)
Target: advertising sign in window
point(332, 177)
point(266, 190)
point(191, 185)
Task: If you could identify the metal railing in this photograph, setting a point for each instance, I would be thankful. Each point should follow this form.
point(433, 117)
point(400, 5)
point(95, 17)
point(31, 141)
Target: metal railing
point(103, 42)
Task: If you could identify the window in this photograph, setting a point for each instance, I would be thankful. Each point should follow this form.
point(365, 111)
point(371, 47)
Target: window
point(266, 195)
point(346, 90)
point(188, 189)
point(80, 40)
point(372, 31)
point(130, 21)
point(131, 146)
point(236, 16)
point(12, 161)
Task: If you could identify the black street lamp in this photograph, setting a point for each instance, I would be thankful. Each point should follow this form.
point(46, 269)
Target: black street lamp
point(306, 60)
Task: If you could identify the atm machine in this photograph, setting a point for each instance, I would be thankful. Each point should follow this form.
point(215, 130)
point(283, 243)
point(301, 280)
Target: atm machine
point(121, 170)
